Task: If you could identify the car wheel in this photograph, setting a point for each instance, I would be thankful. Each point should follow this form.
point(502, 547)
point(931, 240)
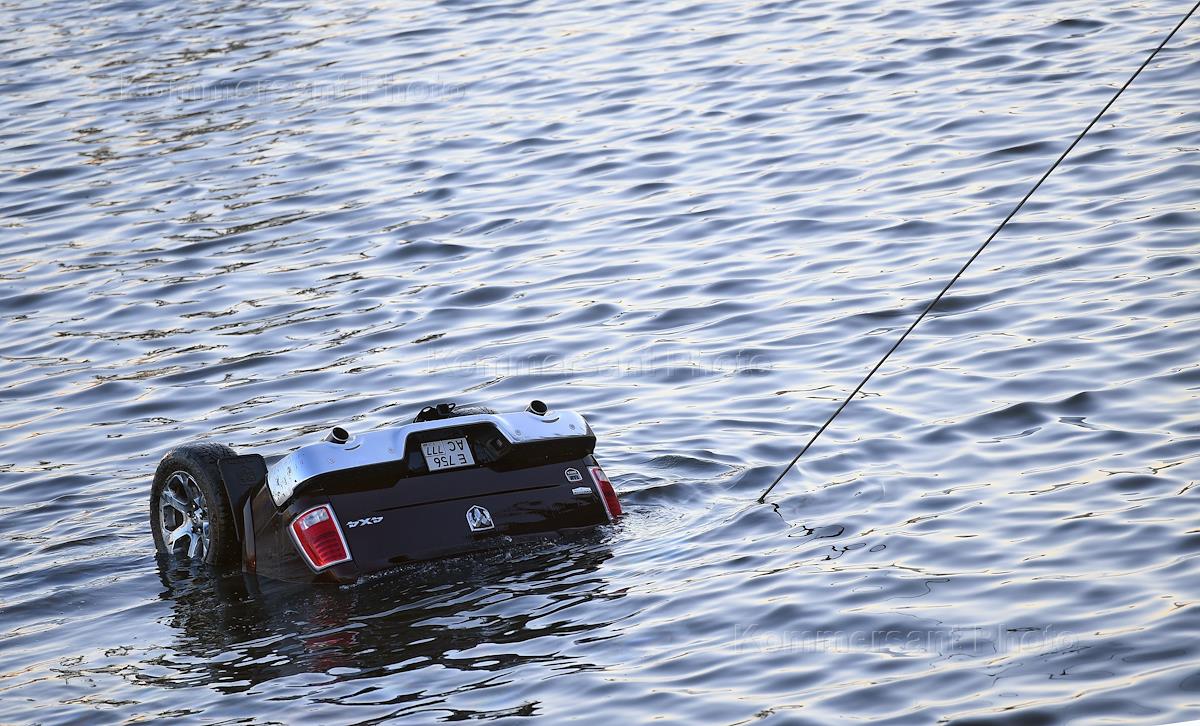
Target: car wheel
point(190, 516)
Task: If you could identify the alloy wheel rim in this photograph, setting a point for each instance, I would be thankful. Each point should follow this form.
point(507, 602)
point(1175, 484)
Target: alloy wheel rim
point(183, 516)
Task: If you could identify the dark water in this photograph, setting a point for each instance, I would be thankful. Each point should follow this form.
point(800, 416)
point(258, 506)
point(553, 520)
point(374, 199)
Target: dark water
point(696, 222)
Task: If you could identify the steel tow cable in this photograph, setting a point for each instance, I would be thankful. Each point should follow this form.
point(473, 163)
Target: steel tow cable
point(978, 252)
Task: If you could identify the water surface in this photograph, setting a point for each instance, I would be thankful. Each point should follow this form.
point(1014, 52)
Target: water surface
point(698, 223)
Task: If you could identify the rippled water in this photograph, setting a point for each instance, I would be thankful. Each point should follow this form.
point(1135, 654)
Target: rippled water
point(697, 223)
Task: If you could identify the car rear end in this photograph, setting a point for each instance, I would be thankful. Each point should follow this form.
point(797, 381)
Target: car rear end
point(424, 491)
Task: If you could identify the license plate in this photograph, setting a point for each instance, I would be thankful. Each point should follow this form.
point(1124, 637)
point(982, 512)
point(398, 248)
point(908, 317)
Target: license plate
point(447, 454)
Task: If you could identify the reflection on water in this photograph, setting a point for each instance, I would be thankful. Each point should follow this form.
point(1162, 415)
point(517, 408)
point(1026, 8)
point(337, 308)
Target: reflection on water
point(695, 222)
point(236, 632)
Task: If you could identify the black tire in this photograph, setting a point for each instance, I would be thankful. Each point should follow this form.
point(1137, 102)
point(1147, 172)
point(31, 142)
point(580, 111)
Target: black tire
point(191, 469)
point(469, 409)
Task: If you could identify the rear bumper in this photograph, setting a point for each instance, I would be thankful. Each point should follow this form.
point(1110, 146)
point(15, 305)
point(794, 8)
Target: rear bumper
point(436, 515)
point(395, 449)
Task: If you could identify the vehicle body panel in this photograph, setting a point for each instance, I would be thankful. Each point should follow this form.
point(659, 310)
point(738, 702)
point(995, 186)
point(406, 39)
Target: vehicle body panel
point(393, 511)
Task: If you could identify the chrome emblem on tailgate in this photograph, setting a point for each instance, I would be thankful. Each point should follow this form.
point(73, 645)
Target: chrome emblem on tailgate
point(479, 519)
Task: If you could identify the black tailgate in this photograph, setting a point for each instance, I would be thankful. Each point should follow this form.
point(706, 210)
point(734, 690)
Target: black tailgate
point(439, 513)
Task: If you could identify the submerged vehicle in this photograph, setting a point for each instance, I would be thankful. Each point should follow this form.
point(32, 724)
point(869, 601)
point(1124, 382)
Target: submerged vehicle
point(451, 481)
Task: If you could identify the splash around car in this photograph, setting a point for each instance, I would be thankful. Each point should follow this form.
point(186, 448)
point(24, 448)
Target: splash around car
point(451, 481)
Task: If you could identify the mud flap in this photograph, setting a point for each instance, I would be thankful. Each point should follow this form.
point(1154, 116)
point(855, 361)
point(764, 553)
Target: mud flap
point(241, 475)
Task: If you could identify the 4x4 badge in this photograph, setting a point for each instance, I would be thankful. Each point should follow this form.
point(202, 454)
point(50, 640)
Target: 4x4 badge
point(479, 519)
point(573, 475)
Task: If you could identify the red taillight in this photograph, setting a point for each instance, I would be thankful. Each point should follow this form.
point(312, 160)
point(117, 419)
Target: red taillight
point(319, 538)
point(607, 494)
